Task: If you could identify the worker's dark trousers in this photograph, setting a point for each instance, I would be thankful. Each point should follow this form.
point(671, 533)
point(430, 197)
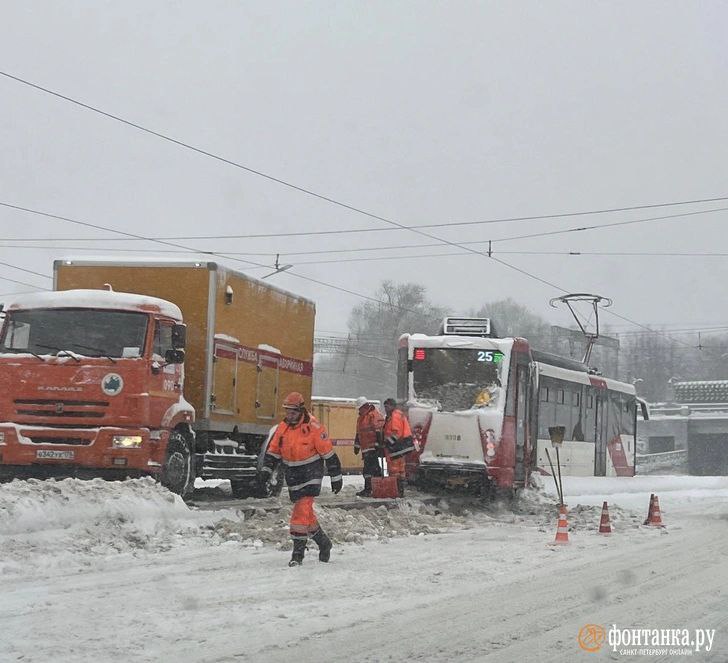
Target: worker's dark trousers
point(371, 464)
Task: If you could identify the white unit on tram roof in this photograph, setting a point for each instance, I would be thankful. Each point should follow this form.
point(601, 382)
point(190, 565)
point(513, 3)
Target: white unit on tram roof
point(466, 327)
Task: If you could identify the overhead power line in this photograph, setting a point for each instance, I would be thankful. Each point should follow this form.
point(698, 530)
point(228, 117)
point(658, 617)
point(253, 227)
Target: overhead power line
point(194, 251)
point(289, 185)
point(30, 285)
point(323, 197)
point(23, 269)
point(292, 273)
point(606, 310)
point(693, 330)
point(313, 233)
point(620, 254)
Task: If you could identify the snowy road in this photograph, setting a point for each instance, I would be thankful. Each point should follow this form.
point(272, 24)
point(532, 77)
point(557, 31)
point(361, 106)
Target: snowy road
point(490, 590)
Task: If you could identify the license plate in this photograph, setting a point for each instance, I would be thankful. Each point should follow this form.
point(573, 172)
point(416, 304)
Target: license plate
point(54, 455)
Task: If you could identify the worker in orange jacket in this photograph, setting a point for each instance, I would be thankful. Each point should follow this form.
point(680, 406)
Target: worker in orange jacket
point(397, 442)
point(368, 440)
point(302, 444)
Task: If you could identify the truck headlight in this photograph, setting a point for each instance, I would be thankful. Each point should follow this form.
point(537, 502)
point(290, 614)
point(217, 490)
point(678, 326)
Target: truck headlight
point(126, 441)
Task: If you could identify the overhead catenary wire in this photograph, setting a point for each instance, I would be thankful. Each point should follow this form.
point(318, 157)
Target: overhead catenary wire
point(194, 251)
point(229, 257)
point(213, 252)
point(292, 273)
point(606, 310)
point(348, 231)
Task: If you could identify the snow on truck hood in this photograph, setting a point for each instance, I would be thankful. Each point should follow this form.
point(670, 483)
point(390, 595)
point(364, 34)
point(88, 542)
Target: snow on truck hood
point(95, 299)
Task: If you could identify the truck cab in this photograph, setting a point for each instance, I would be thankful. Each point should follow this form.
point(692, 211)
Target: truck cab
point(91, 384)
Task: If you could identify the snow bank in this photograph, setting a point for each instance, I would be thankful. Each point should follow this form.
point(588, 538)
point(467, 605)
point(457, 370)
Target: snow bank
point(43, 522)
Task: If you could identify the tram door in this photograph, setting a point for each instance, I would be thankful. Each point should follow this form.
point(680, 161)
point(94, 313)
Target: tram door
point(600, 435)
point(522, 412)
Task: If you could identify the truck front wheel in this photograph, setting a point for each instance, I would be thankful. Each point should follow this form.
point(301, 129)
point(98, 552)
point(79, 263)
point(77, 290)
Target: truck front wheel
point(177, 473)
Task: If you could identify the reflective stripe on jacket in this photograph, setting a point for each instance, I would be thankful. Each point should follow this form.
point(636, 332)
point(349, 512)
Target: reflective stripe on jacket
point(398, 435)
point(304, 449)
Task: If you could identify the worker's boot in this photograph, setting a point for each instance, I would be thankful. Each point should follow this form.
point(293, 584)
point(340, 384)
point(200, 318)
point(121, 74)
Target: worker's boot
point(400, 486)
point(299, 550)
point(367, 492)
point(324, 544)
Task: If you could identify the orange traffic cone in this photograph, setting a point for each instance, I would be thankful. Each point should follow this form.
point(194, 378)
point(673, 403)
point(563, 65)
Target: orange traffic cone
point(604, 525)
point(655, 517)
point(649, 510)
point(562, 530)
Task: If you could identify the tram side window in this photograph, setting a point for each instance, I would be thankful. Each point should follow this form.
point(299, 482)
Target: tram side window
point(629, 409)
point(546, 413)
point(564, 415)
point(589, 422)
point(616, 416)
point(560, 405)
point(577, 415)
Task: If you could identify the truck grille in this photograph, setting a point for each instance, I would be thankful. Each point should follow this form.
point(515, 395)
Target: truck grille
point(63, 409)
point(229, 461)
point(41, 439)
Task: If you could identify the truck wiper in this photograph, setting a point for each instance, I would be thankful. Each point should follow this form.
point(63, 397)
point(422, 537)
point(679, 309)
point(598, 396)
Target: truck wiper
point(22, 350)
point(66, 353)
point(99, 350)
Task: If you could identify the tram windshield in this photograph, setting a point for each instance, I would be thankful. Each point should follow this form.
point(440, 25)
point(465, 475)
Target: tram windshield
point(453, 379)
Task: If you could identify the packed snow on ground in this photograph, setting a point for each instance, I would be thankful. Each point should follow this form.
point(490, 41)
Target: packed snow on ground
point(97, 571)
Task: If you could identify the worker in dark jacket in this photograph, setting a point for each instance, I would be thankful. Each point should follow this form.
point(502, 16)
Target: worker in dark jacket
point(368, 440)
point(397, 442)
point(304, 447)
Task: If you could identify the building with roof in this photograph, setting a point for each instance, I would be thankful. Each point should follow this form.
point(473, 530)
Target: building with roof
point(689, 433)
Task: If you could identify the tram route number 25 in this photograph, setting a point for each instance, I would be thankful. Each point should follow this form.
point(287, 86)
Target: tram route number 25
point(490, 356)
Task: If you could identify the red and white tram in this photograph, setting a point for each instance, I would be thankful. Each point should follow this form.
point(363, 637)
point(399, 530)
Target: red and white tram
point(480, 408)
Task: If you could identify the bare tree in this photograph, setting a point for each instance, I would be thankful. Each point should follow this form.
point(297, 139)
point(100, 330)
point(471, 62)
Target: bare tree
point(367, 362)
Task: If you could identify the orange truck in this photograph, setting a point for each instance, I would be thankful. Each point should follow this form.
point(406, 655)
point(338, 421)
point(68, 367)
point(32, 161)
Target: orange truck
point(170, 369)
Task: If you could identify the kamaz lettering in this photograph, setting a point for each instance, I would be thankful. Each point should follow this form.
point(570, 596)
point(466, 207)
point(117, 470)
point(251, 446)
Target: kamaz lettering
point(52, 388)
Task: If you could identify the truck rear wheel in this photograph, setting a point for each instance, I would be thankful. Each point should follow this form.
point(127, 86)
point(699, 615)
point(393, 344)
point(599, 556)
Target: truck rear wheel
point(177, 474)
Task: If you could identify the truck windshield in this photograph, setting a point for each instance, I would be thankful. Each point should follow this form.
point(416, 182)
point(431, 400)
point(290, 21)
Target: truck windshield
point(453, 379)
point(87, 332)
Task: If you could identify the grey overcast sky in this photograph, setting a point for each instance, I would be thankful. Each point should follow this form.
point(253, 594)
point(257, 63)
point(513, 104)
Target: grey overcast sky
point(420, 112)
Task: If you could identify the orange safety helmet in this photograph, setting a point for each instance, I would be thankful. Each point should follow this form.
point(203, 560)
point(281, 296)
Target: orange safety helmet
point(294, 401)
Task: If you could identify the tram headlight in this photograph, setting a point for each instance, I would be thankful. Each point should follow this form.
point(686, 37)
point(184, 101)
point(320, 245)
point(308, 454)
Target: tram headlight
point(489, 443)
